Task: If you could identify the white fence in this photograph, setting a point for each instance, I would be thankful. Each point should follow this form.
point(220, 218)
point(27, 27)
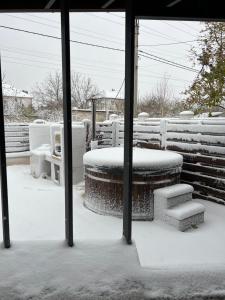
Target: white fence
point(111, 134)
point(16, 137)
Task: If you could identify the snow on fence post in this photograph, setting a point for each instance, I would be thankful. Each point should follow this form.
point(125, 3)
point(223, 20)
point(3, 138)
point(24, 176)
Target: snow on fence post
point(118, 134)
point(163, 129)
point(87, 125)
point(114, 133)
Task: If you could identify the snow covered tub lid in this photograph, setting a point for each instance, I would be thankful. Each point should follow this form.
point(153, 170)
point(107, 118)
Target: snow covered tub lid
point(143, 159)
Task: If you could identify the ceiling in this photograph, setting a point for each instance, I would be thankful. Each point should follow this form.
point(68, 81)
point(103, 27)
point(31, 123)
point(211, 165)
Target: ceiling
point(148, 9)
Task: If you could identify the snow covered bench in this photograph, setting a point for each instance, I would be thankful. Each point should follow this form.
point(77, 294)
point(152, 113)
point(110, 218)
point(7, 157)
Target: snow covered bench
point(174, 205)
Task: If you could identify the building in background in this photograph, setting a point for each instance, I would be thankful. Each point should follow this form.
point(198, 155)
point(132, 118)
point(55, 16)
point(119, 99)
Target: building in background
point(15, 99)
point(111, 102)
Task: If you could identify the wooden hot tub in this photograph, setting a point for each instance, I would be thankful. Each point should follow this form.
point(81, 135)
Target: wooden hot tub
point(152, 169)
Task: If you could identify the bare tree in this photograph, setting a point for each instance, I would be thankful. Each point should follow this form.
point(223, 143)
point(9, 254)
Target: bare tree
point(82, 89)
point(49, 97)
point(160, 103)
point(163, 95)
point(49, 93)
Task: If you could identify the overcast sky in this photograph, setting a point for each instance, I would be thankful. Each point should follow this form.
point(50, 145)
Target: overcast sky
point(28, 59)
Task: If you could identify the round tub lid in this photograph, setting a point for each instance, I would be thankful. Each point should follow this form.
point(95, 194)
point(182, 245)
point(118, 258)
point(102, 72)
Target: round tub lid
point(147, 159)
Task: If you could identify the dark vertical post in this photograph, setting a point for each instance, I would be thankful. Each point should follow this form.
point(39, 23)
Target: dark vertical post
point(128, 120)
point(93, 112)
point(3, 174)
point(67, 118)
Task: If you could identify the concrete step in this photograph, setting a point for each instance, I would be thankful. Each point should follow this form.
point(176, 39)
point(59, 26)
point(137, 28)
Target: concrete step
point(173, 195)
point(185, 215)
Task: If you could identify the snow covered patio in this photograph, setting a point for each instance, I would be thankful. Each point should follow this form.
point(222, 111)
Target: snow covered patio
point(163, 263)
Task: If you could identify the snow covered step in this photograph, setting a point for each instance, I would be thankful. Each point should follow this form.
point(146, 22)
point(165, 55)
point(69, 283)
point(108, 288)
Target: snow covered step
point(185, 210)
point(173, 195)
point(185, 215)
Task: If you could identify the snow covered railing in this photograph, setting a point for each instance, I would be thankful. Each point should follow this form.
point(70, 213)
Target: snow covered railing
point(16, 137)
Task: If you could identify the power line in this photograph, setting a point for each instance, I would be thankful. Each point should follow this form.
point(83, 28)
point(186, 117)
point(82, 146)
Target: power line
point(103, 18)
point(77, 27)
point(168, 44)
point(121, 17)
point(171, 64)
point(48, 55)
point(87, 73)
point(142, 68)
point(188, 26)
point(58, 38)
point(166, 53)
point(88, 66)
point(88, 35)
point(150, 56)
point(168, 61)
point(114, 14)
point(83, 34)
point(107, 70)
point(168, 77)
point(58, 27)
point(42, 67)
point(120, 88)
point(144, 26)
point(177, 28)
point(156, 32)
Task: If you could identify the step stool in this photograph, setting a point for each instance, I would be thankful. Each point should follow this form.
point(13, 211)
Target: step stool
point(174, 205)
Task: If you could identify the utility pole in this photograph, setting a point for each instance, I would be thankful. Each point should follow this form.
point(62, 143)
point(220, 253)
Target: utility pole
point(136, 66)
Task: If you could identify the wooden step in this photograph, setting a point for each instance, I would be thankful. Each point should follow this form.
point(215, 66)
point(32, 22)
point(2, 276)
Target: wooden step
point(171, 196)
point(185, 215)
point(185, 210)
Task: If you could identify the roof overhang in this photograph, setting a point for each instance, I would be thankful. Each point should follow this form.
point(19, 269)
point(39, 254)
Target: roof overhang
point(205, 10)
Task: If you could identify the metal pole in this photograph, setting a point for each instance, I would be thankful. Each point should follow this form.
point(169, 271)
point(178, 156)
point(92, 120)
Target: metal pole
point(3, 175)
point(136, 67)
point(93, 112)
point(128, 120)
point(67, 118)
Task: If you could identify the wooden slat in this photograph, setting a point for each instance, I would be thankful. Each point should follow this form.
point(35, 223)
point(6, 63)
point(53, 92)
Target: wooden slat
point(208, 198)
point(196, 138)
point(218, 172)
point(215, 182)
point(15, 128)
point(209, 160)
point(206, 191)
point(196, 148)
point(104, 128)
point(149, 145)
point(149, 129)
point(196, 128)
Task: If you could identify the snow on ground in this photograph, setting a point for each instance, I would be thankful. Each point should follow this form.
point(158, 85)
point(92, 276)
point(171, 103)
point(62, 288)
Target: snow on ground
point(163, 263)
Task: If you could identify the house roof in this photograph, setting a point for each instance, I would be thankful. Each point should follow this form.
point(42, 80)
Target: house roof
point(157, 9)
point(112, 95)
point(10, 91)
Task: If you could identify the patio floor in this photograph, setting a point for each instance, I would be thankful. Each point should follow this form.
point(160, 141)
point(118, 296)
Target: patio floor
point(175, 263)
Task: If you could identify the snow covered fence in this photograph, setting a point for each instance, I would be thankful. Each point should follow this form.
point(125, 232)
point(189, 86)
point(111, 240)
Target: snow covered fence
point(111, 133)
point(17, 137)
point(201, 142)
